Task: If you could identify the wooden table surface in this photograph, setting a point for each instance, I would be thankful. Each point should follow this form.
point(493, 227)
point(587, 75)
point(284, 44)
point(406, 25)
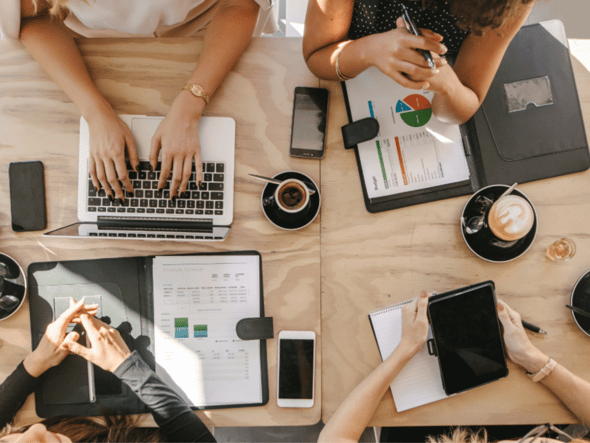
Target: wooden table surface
point(370, 261)
point(39, 122)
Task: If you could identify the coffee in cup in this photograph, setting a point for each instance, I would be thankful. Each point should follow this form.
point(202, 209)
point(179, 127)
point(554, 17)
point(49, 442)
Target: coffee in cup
point(291, 197)
point(511, 218)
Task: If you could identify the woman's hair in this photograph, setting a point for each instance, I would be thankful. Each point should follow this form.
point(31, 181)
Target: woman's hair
point(57, 8)
point(467, 435)
point(476, 15)
point(460, 435)
point(117, 428)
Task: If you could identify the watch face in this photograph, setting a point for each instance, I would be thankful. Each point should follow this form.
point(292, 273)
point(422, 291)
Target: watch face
point(198, 91)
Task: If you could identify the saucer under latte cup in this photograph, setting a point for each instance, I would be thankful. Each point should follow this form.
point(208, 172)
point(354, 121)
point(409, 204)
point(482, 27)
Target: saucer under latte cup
point(290, 205)
point(484, 243)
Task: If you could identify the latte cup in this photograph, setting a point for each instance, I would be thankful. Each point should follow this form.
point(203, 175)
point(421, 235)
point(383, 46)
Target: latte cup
point(511, 218)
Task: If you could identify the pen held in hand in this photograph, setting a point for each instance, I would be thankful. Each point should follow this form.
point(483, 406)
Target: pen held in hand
point(532, 327)
point(413, 29)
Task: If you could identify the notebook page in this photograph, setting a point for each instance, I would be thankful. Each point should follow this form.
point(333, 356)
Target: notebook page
point(419, 382)
point(198, 301)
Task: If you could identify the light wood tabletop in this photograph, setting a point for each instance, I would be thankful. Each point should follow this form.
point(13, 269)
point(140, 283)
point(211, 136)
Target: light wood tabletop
point(370, 261)
point(39, 122)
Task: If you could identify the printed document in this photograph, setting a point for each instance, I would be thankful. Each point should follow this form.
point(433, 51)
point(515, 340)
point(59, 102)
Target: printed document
point(198, 301)
point(413, 150)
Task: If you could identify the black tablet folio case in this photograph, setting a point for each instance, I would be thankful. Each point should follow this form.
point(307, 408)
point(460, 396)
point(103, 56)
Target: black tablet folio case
point(504, 146)
point(126, 287)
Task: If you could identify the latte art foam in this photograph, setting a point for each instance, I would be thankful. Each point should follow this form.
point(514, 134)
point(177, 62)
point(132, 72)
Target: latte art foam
point(511, 218)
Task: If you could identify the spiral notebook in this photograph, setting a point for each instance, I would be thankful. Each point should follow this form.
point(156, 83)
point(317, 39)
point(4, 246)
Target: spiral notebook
point(419, 382)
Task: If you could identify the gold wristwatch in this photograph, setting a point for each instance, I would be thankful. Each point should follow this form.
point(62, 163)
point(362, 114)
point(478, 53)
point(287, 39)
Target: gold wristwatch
point(197, 91)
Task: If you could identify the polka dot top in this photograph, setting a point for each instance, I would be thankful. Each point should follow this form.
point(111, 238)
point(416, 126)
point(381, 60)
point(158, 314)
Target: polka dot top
point(376, 16)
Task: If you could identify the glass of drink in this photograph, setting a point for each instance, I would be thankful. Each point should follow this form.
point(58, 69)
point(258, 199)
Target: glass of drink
point(563, 249)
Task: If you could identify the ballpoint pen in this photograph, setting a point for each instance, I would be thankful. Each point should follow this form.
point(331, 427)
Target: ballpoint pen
point(412, 28)
point(532, 327)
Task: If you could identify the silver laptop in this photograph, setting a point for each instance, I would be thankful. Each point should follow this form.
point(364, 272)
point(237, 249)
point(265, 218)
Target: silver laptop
point(204, 213)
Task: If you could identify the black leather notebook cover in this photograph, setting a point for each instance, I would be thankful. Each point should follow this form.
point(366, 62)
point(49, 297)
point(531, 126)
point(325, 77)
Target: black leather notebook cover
point(503, 147)
point(126, 287)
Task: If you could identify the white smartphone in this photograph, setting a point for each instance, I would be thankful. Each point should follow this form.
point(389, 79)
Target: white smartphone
point(296, 369)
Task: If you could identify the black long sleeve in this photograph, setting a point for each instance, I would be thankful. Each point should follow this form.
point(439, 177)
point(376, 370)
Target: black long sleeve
point(176, 420)
point(13, 393)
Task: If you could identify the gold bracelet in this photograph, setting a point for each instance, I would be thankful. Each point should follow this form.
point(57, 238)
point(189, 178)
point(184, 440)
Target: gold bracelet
point(197, 91)
point(339, 73)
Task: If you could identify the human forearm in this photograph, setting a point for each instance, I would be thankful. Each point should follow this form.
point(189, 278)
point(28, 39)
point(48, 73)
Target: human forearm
point(50, 44)
point(176, 420)
point(13, 393)
point(453, 102)
point(351, 418)
point(353, 59)
point(572, 390)
point(227, 37)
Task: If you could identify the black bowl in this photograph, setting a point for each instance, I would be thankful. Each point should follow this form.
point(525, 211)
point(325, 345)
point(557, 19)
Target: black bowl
point(484, 243)
point(581, 299)
point(296, 221)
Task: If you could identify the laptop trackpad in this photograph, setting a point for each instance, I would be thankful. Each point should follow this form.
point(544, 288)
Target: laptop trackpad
point(143, 129)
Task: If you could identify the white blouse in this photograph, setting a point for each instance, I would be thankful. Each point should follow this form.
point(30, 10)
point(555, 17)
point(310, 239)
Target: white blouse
point(133, 18)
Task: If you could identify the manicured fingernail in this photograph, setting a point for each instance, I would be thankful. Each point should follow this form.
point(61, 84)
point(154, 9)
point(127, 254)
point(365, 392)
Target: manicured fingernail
point(500, 307)
point(121, 201)
point(425, 86)
point(132, 194)
point(111, 198)
point(174, 198)
point(424, 294)
point(151, 168)
point(436, 71)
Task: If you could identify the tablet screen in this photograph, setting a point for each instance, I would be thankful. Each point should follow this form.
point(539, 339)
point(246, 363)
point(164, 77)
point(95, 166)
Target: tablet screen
point(468, 338)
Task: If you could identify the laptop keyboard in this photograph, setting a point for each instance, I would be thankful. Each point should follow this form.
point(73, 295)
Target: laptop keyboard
point(206, 199)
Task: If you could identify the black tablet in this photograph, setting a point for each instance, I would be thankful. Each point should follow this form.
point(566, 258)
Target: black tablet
point(467, 337)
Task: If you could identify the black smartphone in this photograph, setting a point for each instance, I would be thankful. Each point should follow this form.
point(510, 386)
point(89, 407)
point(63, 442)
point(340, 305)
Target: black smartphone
point(468, 337)
point(308, 129)
point(27, 196)
point(296, 371)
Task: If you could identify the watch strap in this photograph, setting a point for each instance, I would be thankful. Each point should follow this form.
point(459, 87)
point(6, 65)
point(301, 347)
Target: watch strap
point(544, 372)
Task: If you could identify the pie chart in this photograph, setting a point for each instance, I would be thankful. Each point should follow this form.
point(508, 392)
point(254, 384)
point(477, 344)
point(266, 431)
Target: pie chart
point(415, 110)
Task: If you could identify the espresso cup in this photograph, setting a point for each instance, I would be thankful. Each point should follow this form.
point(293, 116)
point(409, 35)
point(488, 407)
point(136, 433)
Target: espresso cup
point(511, 218)
point(291, 198)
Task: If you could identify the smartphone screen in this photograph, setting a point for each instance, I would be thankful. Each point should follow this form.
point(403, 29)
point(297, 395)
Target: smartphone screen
point(308, 130)
point(468, 338)
point(27, 196)
point(296, 363)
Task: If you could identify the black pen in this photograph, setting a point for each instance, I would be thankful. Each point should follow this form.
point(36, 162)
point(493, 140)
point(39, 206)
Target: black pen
point(532, 327)
point(412, 28)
